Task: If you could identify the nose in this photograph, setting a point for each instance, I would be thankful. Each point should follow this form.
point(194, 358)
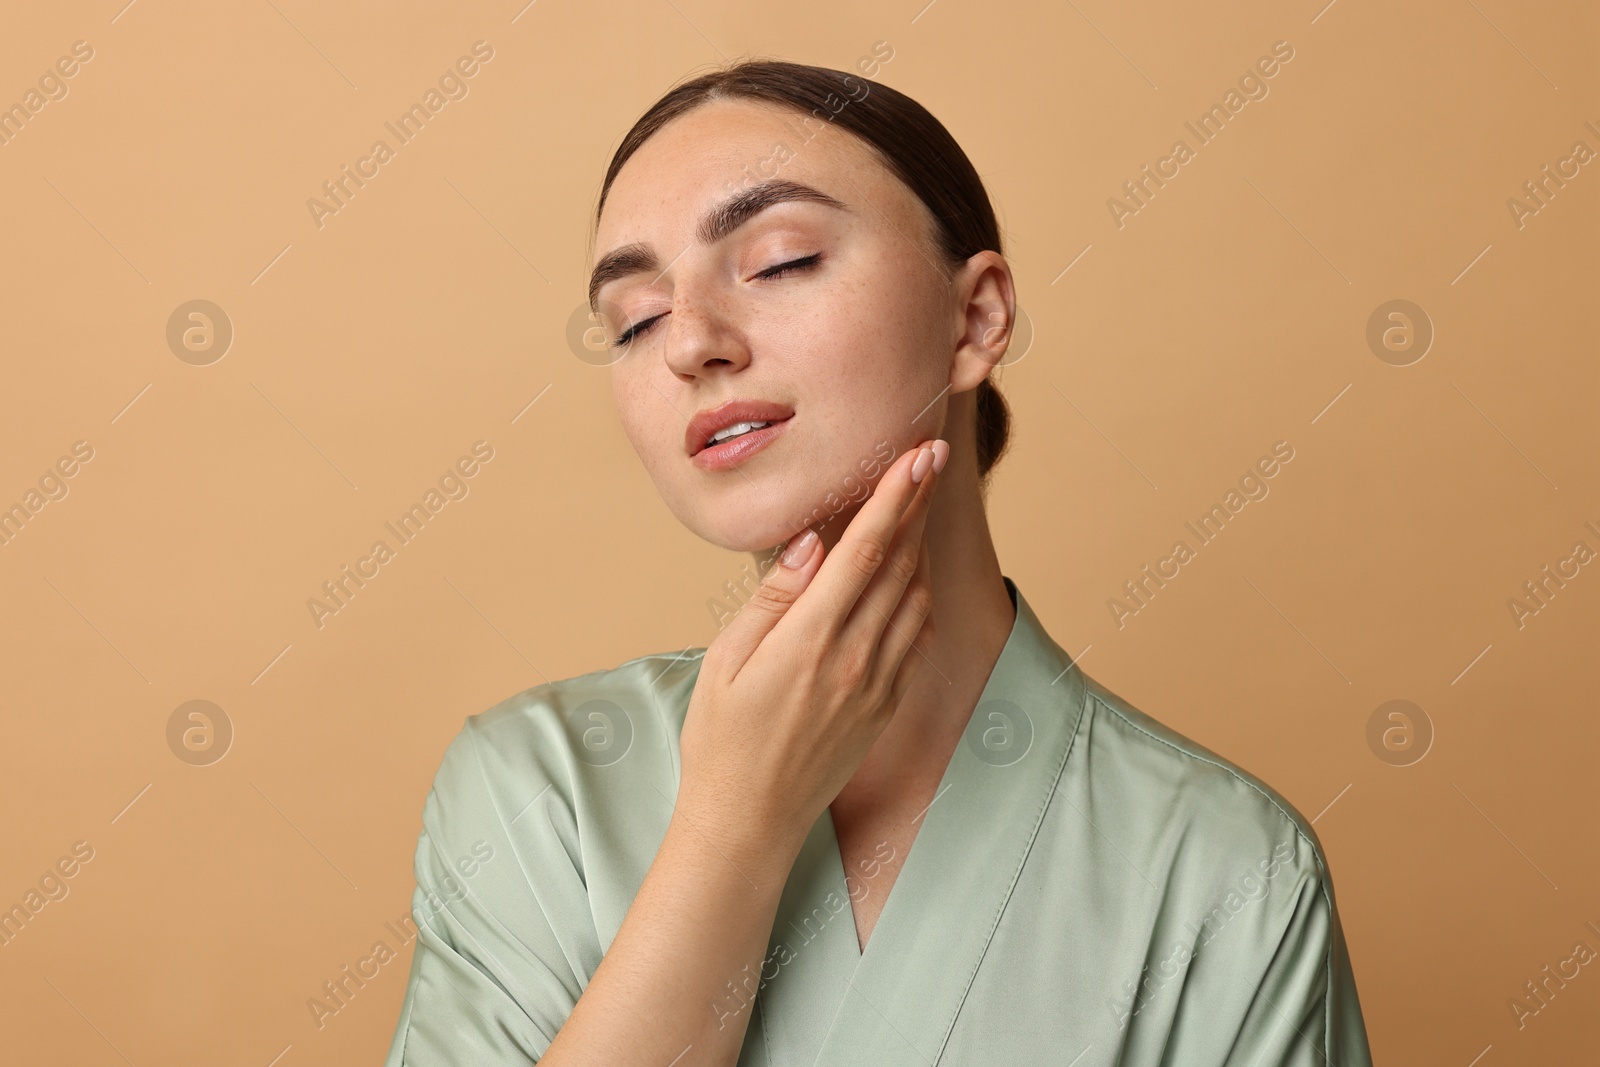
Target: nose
point(700, 338)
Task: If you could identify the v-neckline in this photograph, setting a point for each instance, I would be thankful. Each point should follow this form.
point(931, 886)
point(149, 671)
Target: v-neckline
point(870, 880)
point(926, 815)
point(827, 1000)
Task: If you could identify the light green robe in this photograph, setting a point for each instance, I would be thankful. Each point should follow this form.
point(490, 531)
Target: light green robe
point(1087, 888)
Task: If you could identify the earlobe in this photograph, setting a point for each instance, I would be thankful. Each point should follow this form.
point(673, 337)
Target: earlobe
point(972, 366)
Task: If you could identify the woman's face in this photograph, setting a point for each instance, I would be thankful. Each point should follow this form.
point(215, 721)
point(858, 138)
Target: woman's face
point(854, 343)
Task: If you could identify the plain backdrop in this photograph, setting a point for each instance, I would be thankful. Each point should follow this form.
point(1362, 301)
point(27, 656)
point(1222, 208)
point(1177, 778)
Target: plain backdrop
point(1171, 347)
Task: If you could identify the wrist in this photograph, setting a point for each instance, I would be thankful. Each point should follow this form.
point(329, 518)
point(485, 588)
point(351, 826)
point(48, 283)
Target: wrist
point(737, 839)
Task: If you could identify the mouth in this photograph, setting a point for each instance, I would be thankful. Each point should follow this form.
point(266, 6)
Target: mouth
point(724, 436)
point(734, 450)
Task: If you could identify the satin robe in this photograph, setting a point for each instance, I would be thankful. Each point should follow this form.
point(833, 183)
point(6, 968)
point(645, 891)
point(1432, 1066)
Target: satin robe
point(1087, 888)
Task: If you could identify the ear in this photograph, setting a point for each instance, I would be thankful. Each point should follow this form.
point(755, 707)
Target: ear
point(986, 308)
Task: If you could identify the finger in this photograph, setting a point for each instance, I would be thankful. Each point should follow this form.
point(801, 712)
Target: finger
point(900, 653)
point(910, 667)
point(861, 550)
point(780, 588)
point(887, 586)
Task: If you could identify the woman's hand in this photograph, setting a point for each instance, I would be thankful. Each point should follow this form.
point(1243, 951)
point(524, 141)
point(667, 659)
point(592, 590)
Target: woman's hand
point(795, 690)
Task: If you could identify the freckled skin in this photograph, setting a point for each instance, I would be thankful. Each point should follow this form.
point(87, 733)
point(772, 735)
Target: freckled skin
point(859, 345)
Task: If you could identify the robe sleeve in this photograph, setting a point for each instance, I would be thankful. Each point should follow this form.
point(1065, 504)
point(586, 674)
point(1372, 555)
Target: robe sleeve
point(1305, 1012)
point(498, 953)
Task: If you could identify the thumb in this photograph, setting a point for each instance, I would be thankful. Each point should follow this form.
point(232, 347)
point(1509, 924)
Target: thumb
point(779, 589)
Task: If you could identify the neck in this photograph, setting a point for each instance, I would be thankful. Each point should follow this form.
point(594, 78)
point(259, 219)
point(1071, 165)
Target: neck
point(973, 616)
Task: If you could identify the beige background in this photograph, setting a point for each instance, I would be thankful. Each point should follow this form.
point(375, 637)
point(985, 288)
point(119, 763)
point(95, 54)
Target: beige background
point(1228, 314)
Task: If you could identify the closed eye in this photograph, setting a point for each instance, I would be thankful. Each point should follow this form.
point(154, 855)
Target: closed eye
point(804, 263)
point(797, 264)
point(626, 337)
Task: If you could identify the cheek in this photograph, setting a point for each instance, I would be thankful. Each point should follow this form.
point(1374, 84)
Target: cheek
point(863, 361)
point(896, 325)
point(635, 412)
point(891, 358)
point(652, 426)
point(854, 336)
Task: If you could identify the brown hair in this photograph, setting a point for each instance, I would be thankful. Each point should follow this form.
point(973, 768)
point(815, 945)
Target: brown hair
point(913, 144)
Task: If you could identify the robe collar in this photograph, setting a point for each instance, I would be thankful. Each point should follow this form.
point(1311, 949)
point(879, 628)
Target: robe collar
point(823, 1000)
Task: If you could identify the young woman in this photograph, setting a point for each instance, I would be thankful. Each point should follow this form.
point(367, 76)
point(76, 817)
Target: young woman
point(883, 819)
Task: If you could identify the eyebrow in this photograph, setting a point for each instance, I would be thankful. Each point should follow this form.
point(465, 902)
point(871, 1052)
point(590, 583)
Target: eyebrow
point(718, 222)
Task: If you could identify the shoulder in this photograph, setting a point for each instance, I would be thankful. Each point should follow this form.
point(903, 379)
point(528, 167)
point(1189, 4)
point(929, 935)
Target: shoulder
point(1196, 809)
point(557, 731)
point(1244, 921)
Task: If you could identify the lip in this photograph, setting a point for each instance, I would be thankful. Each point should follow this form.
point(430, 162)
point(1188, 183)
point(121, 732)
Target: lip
point(708, 422)
point(732, 453)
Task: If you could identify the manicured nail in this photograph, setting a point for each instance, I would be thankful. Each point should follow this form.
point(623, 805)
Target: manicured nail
point(800, 550)
point(919, 468)
point(941, 452)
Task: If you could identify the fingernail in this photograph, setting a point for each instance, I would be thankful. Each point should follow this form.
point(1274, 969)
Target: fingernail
point(800, 550)
point(941, 452)
point(919, 468)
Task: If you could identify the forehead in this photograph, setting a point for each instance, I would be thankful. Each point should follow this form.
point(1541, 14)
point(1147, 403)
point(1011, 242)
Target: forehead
point(722, 146)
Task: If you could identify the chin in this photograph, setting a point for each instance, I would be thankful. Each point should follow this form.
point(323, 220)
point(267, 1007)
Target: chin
point(774, 505)
point(747, 536)
point(744, 525)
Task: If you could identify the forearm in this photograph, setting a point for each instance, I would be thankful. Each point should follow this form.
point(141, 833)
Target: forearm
point(700, 921)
